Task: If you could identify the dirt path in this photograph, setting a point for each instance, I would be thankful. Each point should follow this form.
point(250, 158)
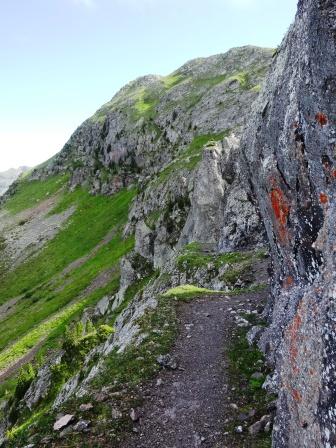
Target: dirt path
point(188, 407)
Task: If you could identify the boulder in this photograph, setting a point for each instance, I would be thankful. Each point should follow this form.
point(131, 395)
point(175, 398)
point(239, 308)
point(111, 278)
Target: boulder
point(63, 422)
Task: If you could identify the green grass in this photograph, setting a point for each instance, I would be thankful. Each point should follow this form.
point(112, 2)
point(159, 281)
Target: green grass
point(46, 328)
point(46, 291)
point(193, 258)
point(144, 100)
point(172, 81)
point(93, 218)
point(145, 104)
point(210, 82)
point(189, 291)
point(243, 78)
point(256, 88)
point(15, 431)
point(31, 193)
point(53, 296)
point(189, 158)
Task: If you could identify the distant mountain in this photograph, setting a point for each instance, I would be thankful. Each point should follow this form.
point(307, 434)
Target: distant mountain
point(9, 176)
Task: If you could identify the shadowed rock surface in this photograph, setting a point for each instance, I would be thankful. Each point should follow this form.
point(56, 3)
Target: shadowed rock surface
point(290, 150)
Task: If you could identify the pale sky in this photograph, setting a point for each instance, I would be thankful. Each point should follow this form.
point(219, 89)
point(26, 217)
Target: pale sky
point(62, 59)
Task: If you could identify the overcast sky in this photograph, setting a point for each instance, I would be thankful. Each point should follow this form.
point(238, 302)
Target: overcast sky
point(62, 59)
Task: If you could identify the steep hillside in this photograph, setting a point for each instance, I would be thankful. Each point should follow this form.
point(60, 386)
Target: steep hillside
point(95, 244)
point(9, 176)
point(290, 152)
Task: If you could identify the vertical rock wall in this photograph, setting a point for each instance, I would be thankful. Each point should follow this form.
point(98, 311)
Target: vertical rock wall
point(290, 151)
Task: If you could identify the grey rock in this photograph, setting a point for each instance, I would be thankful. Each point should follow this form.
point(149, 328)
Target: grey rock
point(260, 425)
point(256, 428)
point(116, 414)
point(144, 240)
point(82, 426)
point(134, 415)
point(271, 383)
point(86, 407)
point(167, 361)
point(102, 306)
point(63, 422)
point(66, 391)
point(205, 216)
point(290, 158)
point(42, 384)
point(268, 426)
point(253, 334)
point(66, 432)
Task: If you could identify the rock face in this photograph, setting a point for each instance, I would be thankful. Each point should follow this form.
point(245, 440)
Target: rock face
point(290, 153)
point(9, 176)
point(177, 137)
point(149, 121)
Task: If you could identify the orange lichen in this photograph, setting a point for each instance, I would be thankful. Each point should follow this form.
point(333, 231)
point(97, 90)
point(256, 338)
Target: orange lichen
point(288, 281)
point(321, 118)
point(334, 173)
point(293, 336)
point(279, 204)
point(281, 210)
point(323, 198)
point(296, 395)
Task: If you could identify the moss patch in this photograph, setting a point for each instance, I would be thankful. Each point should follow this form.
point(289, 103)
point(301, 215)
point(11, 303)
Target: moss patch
point(189, 291)
point(193, 258)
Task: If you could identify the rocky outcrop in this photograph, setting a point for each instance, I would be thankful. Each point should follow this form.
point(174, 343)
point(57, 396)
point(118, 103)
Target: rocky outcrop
point(150, 120)
point(290, 153)
point(222, 213)
point(203, 222)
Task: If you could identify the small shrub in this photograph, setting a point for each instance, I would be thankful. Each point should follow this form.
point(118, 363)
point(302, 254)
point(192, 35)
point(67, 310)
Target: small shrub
point(104, 331)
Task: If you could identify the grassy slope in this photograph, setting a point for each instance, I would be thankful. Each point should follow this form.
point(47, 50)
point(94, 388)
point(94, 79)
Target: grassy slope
point(94, 217)
point(51, 298)
point(29, 194)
